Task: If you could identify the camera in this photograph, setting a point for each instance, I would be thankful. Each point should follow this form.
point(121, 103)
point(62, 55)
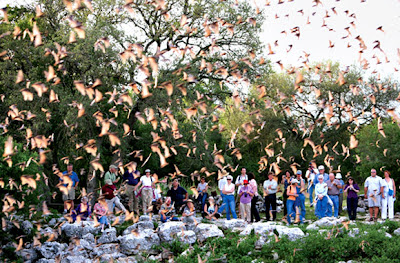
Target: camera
point(246, 195)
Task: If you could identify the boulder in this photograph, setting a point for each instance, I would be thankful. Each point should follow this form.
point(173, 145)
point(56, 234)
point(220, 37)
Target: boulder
point(141, 225)
point(204, 231)
point(108, 236)
point(312, 227)
point(292, 233)
point(27, 227)
point(142, 241)
point(187, 237)
point(167, 231)
point(388, 235)
point(50, 250)
point(111, 257)
point(259, 228)
point(230, 224)
point(52, 222)
point(28, 255)
point(76, 259)
point(354, 232)
point(329, 221)
point(361, 210)
point(105, 249)
point(127, 260)
point(89, 237)
point(45, 260)
point(80, 229)
point(397, 232)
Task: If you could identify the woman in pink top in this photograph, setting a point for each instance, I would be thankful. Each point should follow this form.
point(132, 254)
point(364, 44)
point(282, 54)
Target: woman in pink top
point(254, 210)
point(100, 210)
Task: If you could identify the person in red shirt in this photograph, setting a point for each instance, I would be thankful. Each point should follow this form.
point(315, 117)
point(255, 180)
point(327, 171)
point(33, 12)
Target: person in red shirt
point(109, 191)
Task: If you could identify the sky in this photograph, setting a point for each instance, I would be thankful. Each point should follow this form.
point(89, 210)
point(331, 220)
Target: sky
point(315, 40)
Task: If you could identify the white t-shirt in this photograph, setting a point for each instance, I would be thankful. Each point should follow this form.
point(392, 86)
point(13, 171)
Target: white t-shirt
point(230, 188)
point(387, 185)
point(374, 185)
point(240, 180)
point(146, 181)
point(221, 183)
point(201, 187)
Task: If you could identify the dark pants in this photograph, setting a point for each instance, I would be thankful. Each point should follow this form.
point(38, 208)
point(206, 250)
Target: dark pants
point(352, 207)
point(284, 203)
point(202, 198)
point(340, 202)
point(254, 211)
point(270, 201)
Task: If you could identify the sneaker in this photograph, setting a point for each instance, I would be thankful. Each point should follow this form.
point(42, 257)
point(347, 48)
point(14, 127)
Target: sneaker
point(371, 219)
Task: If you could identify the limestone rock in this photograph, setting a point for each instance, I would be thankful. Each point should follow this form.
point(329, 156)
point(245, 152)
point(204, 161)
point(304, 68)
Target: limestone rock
point(312, 227)
point(230, 224)
point(292, 233)
point(27, 227)
point(108, 236)
point(204, 231)
point(141, 225)
point(80, 229)
point(28, 255)
point(50, 250)
point(168, 230)
point(397, 232)
point(105, 249)
point(133, 243)
point(76, 259)
point(187, 237)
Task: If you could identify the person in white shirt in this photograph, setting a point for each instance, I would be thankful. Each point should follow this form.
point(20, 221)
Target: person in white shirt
point(202, 189)
point(372, 190)
point(229, 192)
point(388, 196)
point(146, 181)
point(221, 184)
point(270, 188)
point(321, 195)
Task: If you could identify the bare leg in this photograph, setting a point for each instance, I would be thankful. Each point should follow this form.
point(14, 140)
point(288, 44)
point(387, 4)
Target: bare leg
point(376, 211)
point(371, 209)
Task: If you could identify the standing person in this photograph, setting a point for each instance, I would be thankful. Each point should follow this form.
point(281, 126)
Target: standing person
point(239, 184)
point(311, 180)
point(246, 194)
point(321, 195)
point(333, 193)
point(321, 171)
point(221, 184)
point(352, 189)
point(254, 211)
point(100, 211)
point(132, 179)
point(339, 177)
point(373, 188)
point(291, 200)
point(109, 191)
point(388, 196)
point(286, 182)
point(70, 196)
point(202, 189)
point(301, 199)
point(111, 174)
point(178, 195)
point(270, 188)
point(229, 192)
point(146, 191)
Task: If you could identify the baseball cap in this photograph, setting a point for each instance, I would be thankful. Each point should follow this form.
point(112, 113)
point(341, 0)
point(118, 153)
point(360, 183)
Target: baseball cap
point(338, 176)
point(245, 182)
point(321, 167)
point(299, 172)
point(147, 171)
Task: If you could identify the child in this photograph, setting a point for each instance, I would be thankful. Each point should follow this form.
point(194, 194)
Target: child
point(210, 210)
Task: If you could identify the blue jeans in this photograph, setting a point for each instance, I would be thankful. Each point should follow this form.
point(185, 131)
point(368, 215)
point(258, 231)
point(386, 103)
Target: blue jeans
point(167, 218)
point(291, 209)
point(311, 191)
point(320, 210)
point(223, 205)
point(203, 197)
point(230, 206)
point(302, 205)
point(335, 200)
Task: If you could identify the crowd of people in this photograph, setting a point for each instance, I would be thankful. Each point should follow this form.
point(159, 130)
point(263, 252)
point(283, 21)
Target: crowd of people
point(326, 192)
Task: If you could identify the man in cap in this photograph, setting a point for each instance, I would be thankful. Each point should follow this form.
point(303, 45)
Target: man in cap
point(321, 171)
point(69, 197)
point(333, 193)
point(110, 193)
point(111, 174)
point(246, 194)
point(339, 177)
point(373, 190)
point(146, 191)
point(221, 184)
point(270, 188)
point(239, 184)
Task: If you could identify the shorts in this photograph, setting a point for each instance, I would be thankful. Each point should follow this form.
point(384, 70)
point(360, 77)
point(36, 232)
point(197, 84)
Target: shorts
point(374, 203)
point(70, 195)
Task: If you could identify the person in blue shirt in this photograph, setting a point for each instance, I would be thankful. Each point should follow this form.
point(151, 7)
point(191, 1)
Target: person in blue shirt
point(71, 184)
point(339, 177)
point(321, 195)
point(132, 179)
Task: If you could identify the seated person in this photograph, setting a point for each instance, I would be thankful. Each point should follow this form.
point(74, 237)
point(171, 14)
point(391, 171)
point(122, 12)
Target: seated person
point(210, 210)
point(157, 206)
point(167, 211)
point(100, 211)
point(189, 212)
point(109, 191)
point(82, 211)
point(178, 195)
